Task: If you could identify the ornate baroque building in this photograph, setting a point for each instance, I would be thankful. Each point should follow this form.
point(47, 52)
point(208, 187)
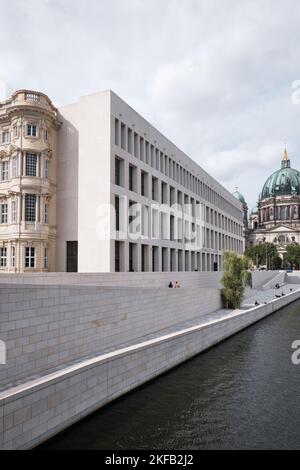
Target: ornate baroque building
point(28, 142)
point(276, 219)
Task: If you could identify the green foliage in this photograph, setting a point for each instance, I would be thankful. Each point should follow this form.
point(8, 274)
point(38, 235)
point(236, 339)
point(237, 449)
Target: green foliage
point(235, 278)
point(292, 256)
point(264, 254)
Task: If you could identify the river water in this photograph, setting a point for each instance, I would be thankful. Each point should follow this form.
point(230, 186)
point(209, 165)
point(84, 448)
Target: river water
point(242, 394)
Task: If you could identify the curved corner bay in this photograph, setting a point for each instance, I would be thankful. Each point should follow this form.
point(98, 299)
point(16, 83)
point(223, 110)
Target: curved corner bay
point(242, 394)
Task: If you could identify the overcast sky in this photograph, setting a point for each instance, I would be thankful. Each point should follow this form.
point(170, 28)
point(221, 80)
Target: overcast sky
point(215, 76)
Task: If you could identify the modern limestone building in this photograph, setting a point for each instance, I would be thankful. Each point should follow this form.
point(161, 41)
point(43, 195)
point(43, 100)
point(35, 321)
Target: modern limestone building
point(276, 219)
point(99, 189)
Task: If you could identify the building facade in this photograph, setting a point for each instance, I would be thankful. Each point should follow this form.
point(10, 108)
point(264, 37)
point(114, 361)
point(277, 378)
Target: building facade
point(28, 148)
point(276, 219)
point(120, 195)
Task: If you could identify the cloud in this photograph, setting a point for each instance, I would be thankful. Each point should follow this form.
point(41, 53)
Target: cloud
point(216, 77)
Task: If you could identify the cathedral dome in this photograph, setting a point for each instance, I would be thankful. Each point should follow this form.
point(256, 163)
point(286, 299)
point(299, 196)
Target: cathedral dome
point(239, 196)
point(254, 211)
point(284, 182)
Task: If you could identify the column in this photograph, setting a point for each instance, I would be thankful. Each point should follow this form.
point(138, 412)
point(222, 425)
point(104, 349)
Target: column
point(23, 209)
point(19, 208)
point(126, 256)
point(24, 164)
point(37, 209)
point(149, 258)
point(138, 261)
point(20, 163)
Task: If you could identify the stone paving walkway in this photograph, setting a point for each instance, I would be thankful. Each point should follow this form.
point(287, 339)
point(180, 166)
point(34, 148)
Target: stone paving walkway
point(261, 296)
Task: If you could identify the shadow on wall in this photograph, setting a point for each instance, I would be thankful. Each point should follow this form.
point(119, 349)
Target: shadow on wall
point(67, 194)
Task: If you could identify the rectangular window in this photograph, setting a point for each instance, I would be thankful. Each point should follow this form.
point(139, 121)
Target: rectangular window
point(117, 138)
point(147, 152)
point(5, 137)
point(46, 257)
point(132, 257)
point(164, 192)
point(135, 145)
point(46, 135)
point(119, 171)
point(129, 141)
point(15, 131)
point(14, 211)
point(15, 167)
point(30, 205)
point(172, 196)
point(4, 213)
point(4, 172)
point(31, 164)
point(132, 178)
point(46, 169)
point(46, 214)
point(117, 209)
point(117, 256)
point(154, 188)
point(31, 130)
point(144, 183)
point(142, 147)
point(13, 256)
point(29, 257)
point(123, 136)
point(3, 257)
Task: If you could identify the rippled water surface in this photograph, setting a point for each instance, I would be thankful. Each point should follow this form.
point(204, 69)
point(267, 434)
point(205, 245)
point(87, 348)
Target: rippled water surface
point(243, 393)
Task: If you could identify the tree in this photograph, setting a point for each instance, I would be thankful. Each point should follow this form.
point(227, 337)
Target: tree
point(264, 254)
point(235, 278)
point(292, 256)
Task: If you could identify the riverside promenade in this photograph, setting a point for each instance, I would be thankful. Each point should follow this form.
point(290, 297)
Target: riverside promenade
point(73, 349)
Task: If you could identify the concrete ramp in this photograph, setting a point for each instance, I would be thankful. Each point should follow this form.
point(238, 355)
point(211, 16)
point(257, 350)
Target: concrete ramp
point(277, 279)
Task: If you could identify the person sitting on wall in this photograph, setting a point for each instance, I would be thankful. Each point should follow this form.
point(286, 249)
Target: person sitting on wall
point(256, 303)
point(171, 285)
point(177, 285)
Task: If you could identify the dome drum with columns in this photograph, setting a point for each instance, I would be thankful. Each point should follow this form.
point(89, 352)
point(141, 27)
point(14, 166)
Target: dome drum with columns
point(276, 219)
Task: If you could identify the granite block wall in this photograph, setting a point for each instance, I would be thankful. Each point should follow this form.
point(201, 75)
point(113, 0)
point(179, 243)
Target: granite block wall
point(33, 412)
point(45, 327)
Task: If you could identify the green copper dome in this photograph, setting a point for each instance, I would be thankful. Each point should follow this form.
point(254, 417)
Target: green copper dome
point(254, 210)
point(283, 182)
point(239, 196)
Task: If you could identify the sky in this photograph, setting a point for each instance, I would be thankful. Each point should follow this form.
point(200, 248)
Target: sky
point(220, 78)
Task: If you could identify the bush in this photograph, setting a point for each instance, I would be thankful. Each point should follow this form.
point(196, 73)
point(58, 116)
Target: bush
point(234, 280)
